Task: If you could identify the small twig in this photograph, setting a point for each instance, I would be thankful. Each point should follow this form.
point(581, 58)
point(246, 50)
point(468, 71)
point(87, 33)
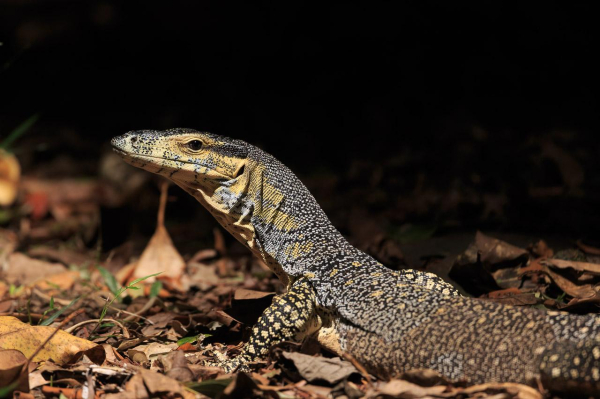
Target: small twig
point(164, 190)
point(90, 384)
point(76, 326)
point(62, 323)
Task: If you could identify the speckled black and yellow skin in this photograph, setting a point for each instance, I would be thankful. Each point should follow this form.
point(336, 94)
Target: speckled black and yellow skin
point(389, 321)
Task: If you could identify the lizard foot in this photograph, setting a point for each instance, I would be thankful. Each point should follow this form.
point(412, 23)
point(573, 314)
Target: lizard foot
point(230, 366)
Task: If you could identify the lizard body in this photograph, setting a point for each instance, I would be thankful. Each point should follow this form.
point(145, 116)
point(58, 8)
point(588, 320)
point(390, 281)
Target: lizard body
point(390, 321)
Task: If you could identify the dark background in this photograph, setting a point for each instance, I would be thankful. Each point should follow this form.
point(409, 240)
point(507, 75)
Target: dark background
point(383, 105)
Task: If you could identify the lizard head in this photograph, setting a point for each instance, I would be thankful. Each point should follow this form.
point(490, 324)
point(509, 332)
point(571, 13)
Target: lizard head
point(194, 160)
point(249, 192)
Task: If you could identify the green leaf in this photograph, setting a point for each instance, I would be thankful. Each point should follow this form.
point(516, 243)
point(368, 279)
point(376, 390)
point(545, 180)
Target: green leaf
point(210, 388)
point(5, 392)
point(120, 291)
point(109, 280)
point(187, 340)
point(51, 319)
point(155, 289)
point(137, 280)
point(19, 131)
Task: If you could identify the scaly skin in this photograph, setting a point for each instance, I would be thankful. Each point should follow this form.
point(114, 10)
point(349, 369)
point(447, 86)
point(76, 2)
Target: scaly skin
point(389, 321)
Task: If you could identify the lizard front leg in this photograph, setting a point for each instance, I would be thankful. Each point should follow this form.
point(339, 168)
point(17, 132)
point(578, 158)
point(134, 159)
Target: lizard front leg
point(291, 316)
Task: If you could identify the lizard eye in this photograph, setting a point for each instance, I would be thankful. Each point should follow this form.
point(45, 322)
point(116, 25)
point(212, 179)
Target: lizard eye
point(194, 145)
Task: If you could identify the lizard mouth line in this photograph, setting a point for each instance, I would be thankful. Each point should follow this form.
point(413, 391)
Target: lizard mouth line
point(130, 156)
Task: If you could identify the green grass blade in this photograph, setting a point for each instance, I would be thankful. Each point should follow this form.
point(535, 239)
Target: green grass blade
point(19, 131)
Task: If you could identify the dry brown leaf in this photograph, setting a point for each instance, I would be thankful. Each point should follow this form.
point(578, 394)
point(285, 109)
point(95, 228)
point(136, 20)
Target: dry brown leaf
point(578, 291)
point(124, 274)
point(200, 275)
point(512, 296)
point(10, 172)
point(494, 251)
point(23, 270)
point(11, 364)
point(70, 393)
point(242, 294)
point(62, 255)
point(74, 192)
point(424, 377)
point(516, 391)
point(9, 241)
point(175, 365)
point(541, 249)
point(57, 282)
point(313, 369)
point(220, 246)
point(4, 288)
point(134, 388)
point(160, 255)
point(147, 383)
point(592, 268)
point(204, 254)
point(144, 353)
point(473, 269)
point(400, 389)
point(62, 348)
point(243, 387)
point(588, 249)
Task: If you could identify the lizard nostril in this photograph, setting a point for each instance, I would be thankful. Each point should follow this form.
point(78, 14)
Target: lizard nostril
point(133, 140)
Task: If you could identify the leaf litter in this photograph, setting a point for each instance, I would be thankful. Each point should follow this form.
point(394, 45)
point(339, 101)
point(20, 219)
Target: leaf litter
point(145, 328)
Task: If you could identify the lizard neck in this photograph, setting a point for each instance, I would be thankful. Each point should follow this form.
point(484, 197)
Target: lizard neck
point(291, 231)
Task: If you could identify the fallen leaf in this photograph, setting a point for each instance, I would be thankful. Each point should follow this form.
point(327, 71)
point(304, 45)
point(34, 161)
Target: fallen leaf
point(242, 294)
point(313, 369)
point(499, 253)
point(158, 384)
point(575, 290)
point(9, 241)
point(204, 254)
point(62, 255)
point(248, 305)
point(400, 389)
point(512, 296)
point(474, 269)
point(62, 348)
point(244, 387)
point(175, 365)
point(160, 255)
point(144, 353)
point(592, 268)
point(11, 364)
point(424, 377)
point(57, 282)
point(516, 391)
point(588, 249)
point(10, 172)
point(541, 249)
point(23, 270)
point(213, 387)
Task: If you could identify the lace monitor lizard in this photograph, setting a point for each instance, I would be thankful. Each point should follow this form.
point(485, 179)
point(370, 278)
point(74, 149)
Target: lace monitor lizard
point(389, 321)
